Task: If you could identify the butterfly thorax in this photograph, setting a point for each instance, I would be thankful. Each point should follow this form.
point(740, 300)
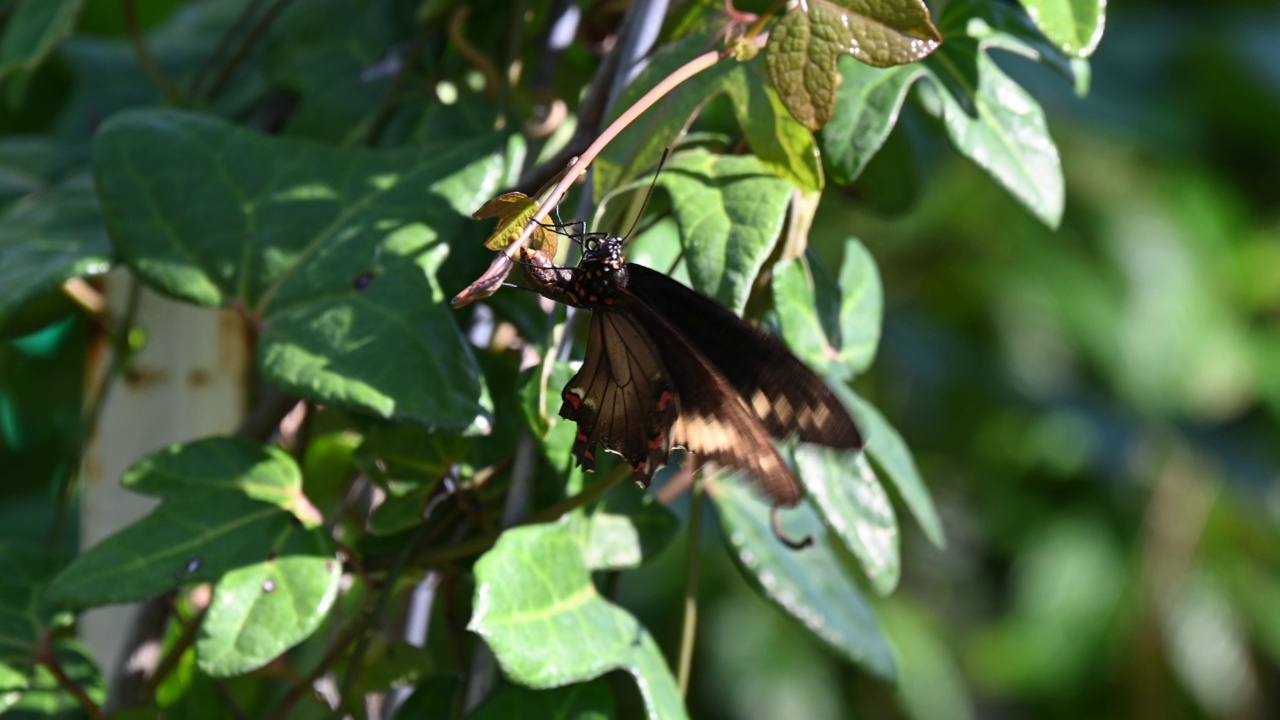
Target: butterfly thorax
point(597, 280)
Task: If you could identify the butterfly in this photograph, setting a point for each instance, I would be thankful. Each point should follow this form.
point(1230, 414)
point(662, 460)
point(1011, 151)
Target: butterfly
point(667, 367)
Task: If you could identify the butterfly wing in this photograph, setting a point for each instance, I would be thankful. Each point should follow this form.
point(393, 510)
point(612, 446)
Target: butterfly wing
point(621, 398)
point(713, 421)
point(778, 388)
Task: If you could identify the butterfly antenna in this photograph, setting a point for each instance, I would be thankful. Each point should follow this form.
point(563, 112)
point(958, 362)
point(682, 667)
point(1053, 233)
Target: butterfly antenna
point(652, 185)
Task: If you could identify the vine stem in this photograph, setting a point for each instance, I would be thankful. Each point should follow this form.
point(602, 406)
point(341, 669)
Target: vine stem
point(689, 624)
point(491, 280)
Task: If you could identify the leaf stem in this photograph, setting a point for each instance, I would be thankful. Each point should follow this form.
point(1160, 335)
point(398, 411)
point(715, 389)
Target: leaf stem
point(689, 624)
point(171, 91)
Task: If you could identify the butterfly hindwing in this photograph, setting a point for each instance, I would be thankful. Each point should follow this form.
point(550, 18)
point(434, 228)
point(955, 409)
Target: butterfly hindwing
point(713, 421)
point(778, 388)
point(621, 398)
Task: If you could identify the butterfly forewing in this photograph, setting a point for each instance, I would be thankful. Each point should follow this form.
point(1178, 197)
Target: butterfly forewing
point(781, 390)
point(713, 422)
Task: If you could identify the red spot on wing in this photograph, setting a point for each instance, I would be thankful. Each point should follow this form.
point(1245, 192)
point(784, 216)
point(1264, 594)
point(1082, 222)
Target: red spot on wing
point(664, 400)
point(657, 442)
point(574, 401)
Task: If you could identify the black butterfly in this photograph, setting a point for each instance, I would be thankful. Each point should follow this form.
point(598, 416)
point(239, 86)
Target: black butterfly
point(667, 367)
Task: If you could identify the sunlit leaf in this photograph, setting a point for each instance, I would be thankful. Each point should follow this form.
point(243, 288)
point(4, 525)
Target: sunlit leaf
point(514, 210)
point(548, 627)
point(805, 45)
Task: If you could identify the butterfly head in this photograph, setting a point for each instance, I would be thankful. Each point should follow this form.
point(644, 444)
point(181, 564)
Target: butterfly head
point(600, 273)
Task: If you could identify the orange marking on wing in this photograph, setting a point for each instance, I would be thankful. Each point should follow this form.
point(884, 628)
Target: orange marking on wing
point(574, 401)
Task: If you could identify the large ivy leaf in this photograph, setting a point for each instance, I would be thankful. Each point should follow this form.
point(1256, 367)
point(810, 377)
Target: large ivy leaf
point(730, 211)
point(1075, 26)
point(48, 238)
point(805, 45)
point(777, 139)
point(212, 520)
point(838, 343)
point(547, 626)
point(811, 585)
point(628, 528)
point(32, 32)
point(335, 251)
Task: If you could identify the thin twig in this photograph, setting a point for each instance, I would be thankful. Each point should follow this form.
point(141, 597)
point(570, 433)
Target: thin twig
point(246, 46)
point(47, 656)
point(158, 76)
point(224, 43)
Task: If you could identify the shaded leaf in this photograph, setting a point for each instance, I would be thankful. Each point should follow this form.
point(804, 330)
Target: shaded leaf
point(629, 528)
point(48, 238)
point(547, 626)
point(34, 29)
point(811, 585)
point(580, 701)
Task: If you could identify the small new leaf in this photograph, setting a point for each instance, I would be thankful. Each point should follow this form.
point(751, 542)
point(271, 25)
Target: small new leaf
point(514, 210)
point(806, 43)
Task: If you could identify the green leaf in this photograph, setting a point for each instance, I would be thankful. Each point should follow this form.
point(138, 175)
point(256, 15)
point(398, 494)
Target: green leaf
point(629, 528)
point(432, 698)
point(50, 237)
point(228, 504)
point(805, 45)
point(40, 694)
point(334, 251)
point(1074, 25)
point(26, 617)
point(34, 29)
point(839, 345)
point(1006, 26)
point(811, 585)
point(547, 626)
point(855, 507)
point(866, 109)
point(991, 120)
point(783, 145)
point(886, 447)
point(226, 464)
point(730, 211)
point(260, 610)
point(581, 701)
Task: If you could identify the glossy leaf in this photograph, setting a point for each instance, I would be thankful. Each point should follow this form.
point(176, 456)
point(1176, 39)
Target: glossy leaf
point(548, 627)
point(730, 211)
point(334, 250)
point(887, 448)
point(811, 585)
point(26, 617)
point(847, 494)
point(805, 45)
point(1074, 25)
